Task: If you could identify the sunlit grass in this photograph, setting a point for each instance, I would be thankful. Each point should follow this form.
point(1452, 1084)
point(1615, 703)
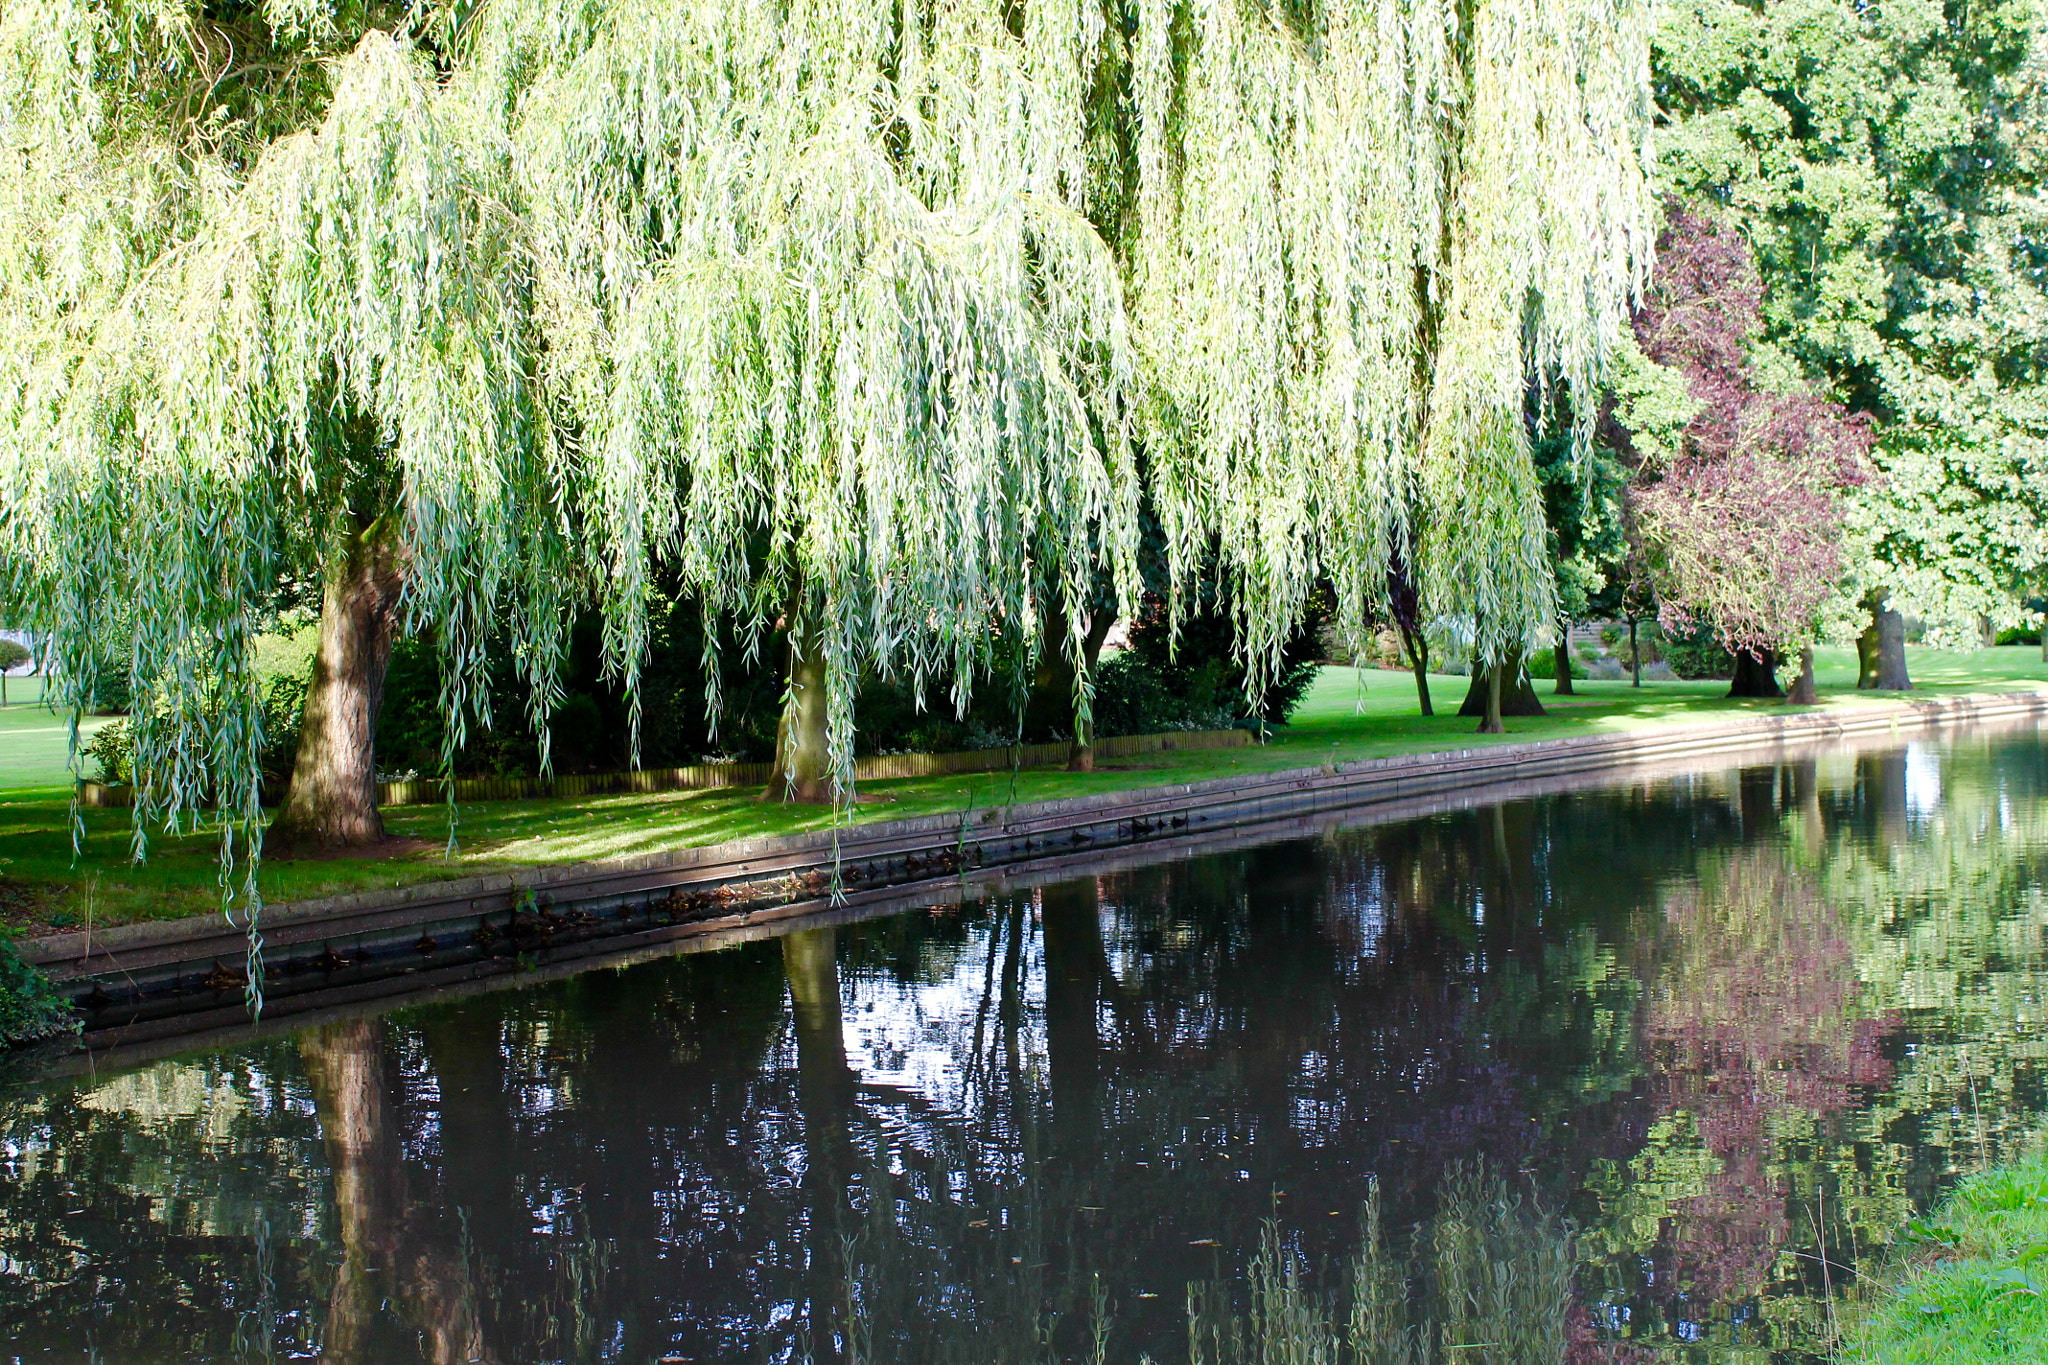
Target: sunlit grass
point(1977, 1289)
point(1346, 716)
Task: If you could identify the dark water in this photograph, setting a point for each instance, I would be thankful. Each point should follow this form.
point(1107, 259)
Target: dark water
point(1664, 1061)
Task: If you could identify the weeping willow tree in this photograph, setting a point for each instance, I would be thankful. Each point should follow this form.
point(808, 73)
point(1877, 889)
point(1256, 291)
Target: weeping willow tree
point(1369, 229)
point(243, 356)
point(825, 312)
point(849, 314)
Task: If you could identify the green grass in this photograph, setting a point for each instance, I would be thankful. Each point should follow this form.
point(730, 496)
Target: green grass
point(1975, 1287)
point(32, 740)
point(42, 887)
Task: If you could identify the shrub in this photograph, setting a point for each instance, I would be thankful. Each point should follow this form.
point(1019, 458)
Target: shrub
point(109, 750)
point(1697, 654)
point(30, 1008)
point(1543, 664)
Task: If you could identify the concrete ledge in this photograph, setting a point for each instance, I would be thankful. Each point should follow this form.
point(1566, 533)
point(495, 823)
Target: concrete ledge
point(144, 977)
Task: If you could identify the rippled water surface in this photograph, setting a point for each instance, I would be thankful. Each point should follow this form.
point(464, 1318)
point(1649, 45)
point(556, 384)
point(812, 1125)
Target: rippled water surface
point(1665, 1060)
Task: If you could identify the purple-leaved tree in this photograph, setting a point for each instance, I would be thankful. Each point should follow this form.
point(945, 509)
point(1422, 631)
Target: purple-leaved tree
point(1743, 518)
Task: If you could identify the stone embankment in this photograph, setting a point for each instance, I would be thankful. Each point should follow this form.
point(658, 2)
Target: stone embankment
point(150, 985)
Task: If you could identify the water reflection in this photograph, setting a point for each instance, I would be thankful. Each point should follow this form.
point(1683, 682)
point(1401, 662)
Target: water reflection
point(1646, 1056)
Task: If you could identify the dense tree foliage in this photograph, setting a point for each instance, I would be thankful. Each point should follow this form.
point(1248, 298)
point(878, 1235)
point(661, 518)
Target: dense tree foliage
point(1741, 510)
point(1886, 163)
point(848, 316)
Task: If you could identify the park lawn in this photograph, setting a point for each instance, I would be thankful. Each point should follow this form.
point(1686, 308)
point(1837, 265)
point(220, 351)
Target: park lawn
point(33, 743)
point(1975, 1280)
point(42, 887)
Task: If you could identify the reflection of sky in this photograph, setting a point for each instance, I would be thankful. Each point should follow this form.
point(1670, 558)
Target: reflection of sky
point(919, 1036)
point(1923, 780)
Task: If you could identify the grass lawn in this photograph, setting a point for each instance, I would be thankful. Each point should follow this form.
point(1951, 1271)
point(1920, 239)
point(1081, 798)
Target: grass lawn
point(42, 887)
point(1976, 1287)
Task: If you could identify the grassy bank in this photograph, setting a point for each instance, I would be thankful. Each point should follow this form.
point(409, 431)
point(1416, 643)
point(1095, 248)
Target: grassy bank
point(41, 887)
point(1975, 1284)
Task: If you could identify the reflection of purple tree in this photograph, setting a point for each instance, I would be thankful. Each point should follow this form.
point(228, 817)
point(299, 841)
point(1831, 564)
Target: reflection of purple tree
point(1752, 1018)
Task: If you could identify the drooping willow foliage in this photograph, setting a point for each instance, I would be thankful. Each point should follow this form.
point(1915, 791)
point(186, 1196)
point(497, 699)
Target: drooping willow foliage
point(1364, 235)
point(854, 314)
point(825, 315)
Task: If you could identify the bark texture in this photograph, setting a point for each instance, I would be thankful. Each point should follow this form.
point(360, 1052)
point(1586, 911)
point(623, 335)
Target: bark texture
point(1804, 690)
point(1491, 700)
point(1561, 658)
point(1417, 645)
point(332, 801)
point(803, 758)
point(1881, 648)
point(1756, 674)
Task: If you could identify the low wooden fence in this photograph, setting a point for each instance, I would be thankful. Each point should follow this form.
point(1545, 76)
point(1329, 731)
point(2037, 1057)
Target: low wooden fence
point(711, 776)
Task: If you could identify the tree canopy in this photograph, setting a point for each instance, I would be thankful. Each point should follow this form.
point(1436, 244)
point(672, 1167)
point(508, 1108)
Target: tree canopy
point(853, 317)
point(1886, 164)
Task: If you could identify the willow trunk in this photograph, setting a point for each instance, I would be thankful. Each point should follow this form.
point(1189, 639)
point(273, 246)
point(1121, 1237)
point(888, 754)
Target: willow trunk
point(1498, 691)
point(803, 754)
point(332, 800)
point(1418, 659)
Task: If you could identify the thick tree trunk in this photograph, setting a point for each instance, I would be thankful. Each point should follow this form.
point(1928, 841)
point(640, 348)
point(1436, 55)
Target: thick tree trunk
point(1417, 645)
point(1756, 674)
point(1881, 648)
point(332, 801)
point(1987, 633)
point(1491, 701)
point(1051, 707)
point(1562, 657)
point(803, 758)
point(1804, 691)
point(1635, 653)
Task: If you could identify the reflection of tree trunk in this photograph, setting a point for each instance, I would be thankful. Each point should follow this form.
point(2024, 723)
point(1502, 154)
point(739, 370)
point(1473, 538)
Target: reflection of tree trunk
point(1756, 674)
point(1881, 648)
point(1882, 777)
point(1805, 691)
point(385, 1257)
point(1806, 794)
point(810, 959)
point(1072, 916)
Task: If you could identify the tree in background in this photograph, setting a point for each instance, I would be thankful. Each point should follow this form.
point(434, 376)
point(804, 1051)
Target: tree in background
point(1352, 253)
point(1886, 164)
point(1743, 516)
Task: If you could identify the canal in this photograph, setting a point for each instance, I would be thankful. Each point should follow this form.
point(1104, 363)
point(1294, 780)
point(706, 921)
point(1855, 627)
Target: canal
point(1635, 1074)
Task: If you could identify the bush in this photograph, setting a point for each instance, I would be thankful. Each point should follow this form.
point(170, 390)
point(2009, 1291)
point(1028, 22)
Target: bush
point(1543, 664)
point(109, 751)
point(2020, 635)
point(30, 1008)
point(1199, 685)
point(1135, 695)
point(1697, 654)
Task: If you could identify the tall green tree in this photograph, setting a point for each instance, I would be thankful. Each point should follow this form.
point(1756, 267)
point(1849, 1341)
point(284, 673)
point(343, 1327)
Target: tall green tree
point(848, 314)
point(1886, 163)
